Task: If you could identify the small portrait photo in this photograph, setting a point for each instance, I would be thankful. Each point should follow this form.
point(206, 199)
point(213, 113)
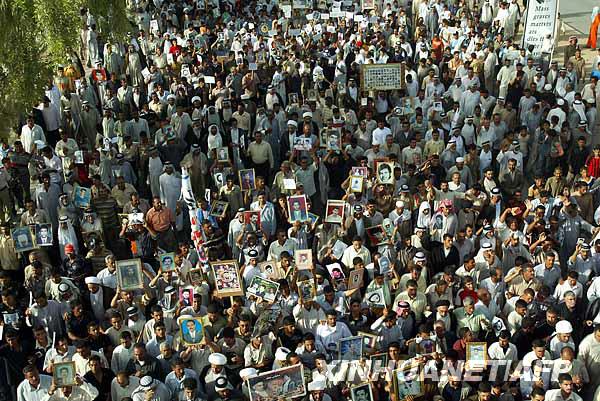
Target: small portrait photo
point(360, 171)
point(219, 208)
point(252, 220)
point(385, 266)
point(191, 331)
point(355, 278)
point(362, 392)
point(312, 95)
point(303, 259)
point(219, 179)
point(263, 288)
point(377, 235)
point(23, 239)
point(408, 382)
point(223, 155)
point(167, 262)
point(129, 274)
point(43, 234)
point(335, 272)
point(247, 179)
point(186, 296)
point(64, 374)
point(78, 157)
point(375, 298)
point(270, 270)
point(367, 4)
point(306, 289)
point(196, 276)
point(293, 98)
point(385, 173)
point(335, 211)
point(477, 355)
point(378, 362)
point(82, 197)
point(334, 140)
point(350, 348)
point(297, 208)
point(356, 184)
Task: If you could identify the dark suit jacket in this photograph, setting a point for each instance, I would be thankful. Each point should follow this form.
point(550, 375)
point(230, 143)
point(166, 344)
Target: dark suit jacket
point(439, 260)
point(509, 184)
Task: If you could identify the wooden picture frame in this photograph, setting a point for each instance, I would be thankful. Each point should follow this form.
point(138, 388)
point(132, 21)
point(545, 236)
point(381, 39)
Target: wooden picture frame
point(355, 278)
point(306, 290)
point(186, 335)
point(361, 392)
point(300, 213)
point(269, 386)
point(303, 259)
point(219, 209)
point(228, 282)
point(476, 354)
point(129, 274)
point(64, 374)
point(414, 386)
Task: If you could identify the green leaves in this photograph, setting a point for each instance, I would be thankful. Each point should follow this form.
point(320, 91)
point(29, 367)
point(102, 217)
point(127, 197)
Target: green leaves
point(39, 34)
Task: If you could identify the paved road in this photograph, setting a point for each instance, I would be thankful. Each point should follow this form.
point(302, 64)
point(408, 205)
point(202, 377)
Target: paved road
point(576, 13)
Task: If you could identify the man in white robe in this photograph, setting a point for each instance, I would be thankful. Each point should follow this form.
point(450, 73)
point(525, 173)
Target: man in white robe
point(170, 187)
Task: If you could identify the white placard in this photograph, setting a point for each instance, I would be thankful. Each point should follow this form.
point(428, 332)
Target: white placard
point(209, 80)
point(252, 67)
point(541, 21)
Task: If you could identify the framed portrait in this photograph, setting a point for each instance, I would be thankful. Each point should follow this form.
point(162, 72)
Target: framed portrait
point(263, 288)
point(355, 278)
point(369, 339)
point(23, 238)
point(78, 157)
point(378, 362)
point(361, 392)
point(407, 382)
point(367, 4)
point(43, 234)
point(293, 98)
point(313, 218)
point(219, 179)
point(385, 173)
point(335, 272)
point(334, 140)
point(270, 269)
point(302, 143)
point(129, 274)
point(356, 183)
point(377, 235)
point(334, 212)
point(227, 278)
point(218, 209)
point(64, 374)
point(82, 197)
point(252, 218)
point(186, 295)
point(284, 383)
point(306, 290)
point(375, 298)
point(385, 265)
point(477, 355)
point(350, 348)
point(303, 259)
point(167, 262)
point(247, 179)
point(123, 219)
point(360, 171)
point(191, 331)
point(297, 208)
point(196, 276)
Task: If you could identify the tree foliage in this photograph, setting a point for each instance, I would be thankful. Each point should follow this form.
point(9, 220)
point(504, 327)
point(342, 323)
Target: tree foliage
point(39, 34)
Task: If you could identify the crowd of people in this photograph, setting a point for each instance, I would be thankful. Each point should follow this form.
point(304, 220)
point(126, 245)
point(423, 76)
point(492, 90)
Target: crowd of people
point(215, 208)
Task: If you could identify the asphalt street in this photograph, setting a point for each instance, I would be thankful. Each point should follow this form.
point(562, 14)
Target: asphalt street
point(576, 14)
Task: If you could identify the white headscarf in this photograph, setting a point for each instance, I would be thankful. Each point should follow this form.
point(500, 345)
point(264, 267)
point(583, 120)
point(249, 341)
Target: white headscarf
point(424, 219)
point(66, 236)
